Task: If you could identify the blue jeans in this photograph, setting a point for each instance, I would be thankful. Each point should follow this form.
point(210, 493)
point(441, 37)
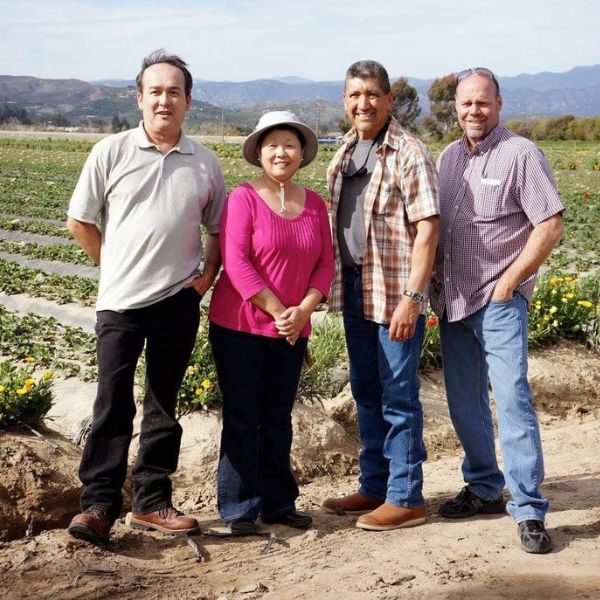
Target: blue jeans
point(385, 385)
point(492, 344)
point(258, 377)
point(169, 330)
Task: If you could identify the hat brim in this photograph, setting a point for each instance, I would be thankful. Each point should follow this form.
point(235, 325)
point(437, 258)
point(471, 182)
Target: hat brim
point(311, 145)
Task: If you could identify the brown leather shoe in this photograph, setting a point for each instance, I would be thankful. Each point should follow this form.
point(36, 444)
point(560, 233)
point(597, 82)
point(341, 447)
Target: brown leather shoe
point(354, 504)
point(168, 520)
point(92, 525)
point(388, 516)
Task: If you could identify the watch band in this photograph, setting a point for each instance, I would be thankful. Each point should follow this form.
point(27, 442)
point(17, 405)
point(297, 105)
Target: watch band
point(416, 297)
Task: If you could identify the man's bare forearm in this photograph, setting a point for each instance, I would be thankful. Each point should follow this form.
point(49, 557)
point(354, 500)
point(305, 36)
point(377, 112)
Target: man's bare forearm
point(88, 236)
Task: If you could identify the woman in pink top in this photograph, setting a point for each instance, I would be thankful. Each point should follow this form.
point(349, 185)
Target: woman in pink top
point(277, 266)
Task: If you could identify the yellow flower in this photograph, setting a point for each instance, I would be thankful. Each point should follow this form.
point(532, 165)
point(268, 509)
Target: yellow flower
point(30, 381)
point(567, 278)
point(206, 384)
point(30, 359)
point(47, 375)
point(2, 388)
point(190, 370)
point(563, 299)
point(199, 391)
point(555, 280)
point(552, 309)
point(21, 391)
point(553, 293)
point(569, 296)
point(585, 303)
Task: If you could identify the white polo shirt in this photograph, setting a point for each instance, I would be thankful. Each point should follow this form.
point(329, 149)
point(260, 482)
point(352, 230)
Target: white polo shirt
point(151, 206)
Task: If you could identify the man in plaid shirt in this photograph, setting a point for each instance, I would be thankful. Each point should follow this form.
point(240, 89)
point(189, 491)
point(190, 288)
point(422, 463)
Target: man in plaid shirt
point(383, 190)
point(500, 218)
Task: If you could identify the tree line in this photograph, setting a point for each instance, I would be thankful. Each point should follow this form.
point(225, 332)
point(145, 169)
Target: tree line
point(441, 123)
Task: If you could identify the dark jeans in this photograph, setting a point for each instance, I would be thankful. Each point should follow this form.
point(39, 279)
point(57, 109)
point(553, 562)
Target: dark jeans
point(169, 329)
point(258, 377)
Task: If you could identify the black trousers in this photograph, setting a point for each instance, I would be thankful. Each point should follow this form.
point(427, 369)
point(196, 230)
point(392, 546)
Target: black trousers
point(169, 329)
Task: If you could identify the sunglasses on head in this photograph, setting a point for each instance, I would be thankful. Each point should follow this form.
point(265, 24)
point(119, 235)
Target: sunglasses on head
point(478, 71)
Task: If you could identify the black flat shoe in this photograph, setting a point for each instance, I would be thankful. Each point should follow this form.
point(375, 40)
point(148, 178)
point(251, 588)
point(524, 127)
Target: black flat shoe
point(241, 527)
point(292, 518)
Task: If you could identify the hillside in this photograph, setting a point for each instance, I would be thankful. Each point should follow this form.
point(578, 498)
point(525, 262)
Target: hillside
point(575, 92)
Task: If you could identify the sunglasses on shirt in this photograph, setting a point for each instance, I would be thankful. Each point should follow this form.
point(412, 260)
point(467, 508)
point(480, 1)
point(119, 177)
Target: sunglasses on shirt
point(478, 71)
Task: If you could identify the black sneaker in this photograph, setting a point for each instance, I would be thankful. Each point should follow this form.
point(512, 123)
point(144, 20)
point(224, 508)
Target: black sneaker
point(534, 537)
point(467, 504)
point(241, 527)
point(291, 518)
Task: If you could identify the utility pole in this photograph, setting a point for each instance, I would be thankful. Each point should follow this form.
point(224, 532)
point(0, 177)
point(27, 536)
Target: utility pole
point(318, 112)
point(222, 121)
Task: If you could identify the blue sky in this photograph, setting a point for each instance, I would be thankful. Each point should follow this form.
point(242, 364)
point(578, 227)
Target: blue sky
point(316, 39)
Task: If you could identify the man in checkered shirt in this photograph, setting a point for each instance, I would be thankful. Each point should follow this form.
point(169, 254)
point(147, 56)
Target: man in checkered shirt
point(383, 190)
point(500, 218)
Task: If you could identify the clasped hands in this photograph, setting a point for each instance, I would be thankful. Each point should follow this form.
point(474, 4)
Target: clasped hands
point(291, 322)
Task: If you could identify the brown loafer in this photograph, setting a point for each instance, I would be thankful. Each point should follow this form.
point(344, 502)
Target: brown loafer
point(354, 504)
point(92, 525)
point(167, 520)
point(389, 516)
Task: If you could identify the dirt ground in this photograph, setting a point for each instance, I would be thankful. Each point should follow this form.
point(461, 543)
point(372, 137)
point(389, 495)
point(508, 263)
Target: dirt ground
point(475, 558)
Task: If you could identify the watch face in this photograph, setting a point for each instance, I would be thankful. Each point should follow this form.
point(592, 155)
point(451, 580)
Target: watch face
point(414, 296)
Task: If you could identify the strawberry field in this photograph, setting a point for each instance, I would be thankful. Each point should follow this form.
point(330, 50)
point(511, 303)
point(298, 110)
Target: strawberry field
point(39, 261)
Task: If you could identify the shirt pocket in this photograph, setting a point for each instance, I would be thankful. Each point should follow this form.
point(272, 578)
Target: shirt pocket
point(489, 199)
point(387, 201)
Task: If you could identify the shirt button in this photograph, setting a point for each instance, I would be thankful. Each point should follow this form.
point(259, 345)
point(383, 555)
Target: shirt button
point(447, 278)
point(456, 206)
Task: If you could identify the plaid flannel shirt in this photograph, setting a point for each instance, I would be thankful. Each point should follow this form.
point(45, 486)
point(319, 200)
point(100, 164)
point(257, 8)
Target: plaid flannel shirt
point(402, 191)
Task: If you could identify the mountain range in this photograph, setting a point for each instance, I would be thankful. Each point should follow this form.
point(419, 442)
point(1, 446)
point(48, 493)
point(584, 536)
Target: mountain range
point(575, 92)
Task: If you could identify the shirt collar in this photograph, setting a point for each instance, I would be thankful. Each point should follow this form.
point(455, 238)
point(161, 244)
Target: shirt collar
point(389, 139)
point(183, 146)
point(482, 147)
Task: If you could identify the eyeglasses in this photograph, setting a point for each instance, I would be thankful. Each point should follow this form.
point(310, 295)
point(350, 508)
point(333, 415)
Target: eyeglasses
point(478, 71)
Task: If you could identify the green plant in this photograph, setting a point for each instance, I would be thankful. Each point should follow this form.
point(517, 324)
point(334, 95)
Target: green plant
point(431, 357)
point(24, 400)
point(326, 350)
point(16, 279)
point(199, 388)
point(565, 306)
point(47, 343)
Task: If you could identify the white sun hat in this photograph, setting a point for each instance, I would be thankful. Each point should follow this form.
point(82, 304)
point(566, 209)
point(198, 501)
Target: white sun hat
point(272, 120)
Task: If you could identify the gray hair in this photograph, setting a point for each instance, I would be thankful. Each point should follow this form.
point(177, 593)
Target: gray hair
point(369, 69)
point(161, 56)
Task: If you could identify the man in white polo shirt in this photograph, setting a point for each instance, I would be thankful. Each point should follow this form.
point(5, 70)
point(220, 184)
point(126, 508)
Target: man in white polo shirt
point(152, 188)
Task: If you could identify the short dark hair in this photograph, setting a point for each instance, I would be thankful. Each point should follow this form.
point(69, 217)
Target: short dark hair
point(160, 56)
point(283, 127)
point(369, 69)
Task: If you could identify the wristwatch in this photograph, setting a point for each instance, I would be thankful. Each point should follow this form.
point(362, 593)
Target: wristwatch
point(416, 297)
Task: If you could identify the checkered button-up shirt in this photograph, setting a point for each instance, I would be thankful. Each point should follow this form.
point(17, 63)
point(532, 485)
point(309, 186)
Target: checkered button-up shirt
point(491, 198)
point(402, 191)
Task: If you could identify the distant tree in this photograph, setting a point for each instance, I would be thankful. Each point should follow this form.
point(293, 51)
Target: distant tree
point(125, 125)
point(115, 124)
point(59, 120)
point(406, 104)
point(344, 126)
point(14, 114)
point(442, 120)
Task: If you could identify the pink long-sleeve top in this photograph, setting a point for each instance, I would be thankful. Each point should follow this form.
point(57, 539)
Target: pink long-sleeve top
point(261, 249)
